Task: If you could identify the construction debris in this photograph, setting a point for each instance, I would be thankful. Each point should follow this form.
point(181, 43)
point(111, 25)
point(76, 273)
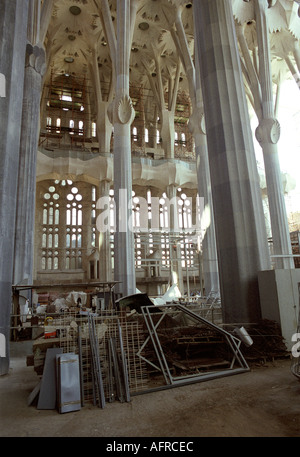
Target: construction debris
point(268, 342)
point(142, 347)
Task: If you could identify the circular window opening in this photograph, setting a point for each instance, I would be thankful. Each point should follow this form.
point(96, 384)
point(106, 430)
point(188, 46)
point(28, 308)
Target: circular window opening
point(75, 10)
point(144, 26)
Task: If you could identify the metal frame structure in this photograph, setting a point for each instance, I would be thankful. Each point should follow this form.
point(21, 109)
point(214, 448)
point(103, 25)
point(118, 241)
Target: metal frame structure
point(112, 351)
point(99, 395)
point(172, 381)
point(111, 342)
point(124, 364)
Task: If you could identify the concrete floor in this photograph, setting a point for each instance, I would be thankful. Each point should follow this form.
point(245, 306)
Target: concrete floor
point(264, 402)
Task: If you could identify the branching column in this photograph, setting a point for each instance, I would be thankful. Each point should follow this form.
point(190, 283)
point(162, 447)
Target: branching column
point(123, 115)
point(267, 133)
point(175, 249)
point(240, 229)
point(105, 263)
point(167, 130)
point(104, 126)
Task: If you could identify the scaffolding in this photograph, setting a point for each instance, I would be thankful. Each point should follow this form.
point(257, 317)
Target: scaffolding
point(67, 117)
point(295, 241)
point(69, 120)
point(146, 136)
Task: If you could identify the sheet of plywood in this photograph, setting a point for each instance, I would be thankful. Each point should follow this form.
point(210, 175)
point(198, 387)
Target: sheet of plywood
point(48, 392)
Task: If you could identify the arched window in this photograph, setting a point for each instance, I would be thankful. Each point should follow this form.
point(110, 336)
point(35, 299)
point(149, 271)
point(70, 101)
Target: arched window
point(49, 123)
point(157, 137)
point(94, 129)
point(62, 218)
point(134, 133)
point(58, 125)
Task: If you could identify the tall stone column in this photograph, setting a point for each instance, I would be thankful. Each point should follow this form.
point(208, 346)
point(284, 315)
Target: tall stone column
point(267, 133)
point(167, 133)
point(105, 263)
point(13, 29)
point(197, 128)
point(175, 248)
point(24, 233)
point(123, 115)
point(240, 229)
point(166, 114)
point(209, 248)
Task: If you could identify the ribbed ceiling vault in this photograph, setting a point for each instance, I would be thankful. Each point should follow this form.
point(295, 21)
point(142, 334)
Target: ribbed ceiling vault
point(76, 34)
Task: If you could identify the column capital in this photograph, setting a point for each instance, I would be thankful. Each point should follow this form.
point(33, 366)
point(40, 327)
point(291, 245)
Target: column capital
point(121, 110)
point(36, 58)
point(268, 131)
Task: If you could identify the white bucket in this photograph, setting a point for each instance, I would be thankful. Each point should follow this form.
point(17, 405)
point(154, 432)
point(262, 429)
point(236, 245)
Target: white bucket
point(243, 335)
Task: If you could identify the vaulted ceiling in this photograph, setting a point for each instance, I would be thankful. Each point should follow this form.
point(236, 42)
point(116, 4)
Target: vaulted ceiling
point(76, 35)
point(76, 28)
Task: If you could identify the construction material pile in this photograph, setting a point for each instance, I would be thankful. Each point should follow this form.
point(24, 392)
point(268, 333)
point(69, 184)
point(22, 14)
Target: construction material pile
point(123, 353)
point(268, 342)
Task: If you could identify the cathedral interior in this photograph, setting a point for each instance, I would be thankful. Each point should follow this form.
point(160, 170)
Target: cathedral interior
point(129, 169)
